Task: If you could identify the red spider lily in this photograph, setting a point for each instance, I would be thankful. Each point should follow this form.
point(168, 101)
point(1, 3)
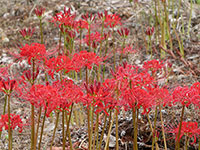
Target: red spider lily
point(127, 50)
point(58, 96)
point(85, 59)
point(89, 18)
point(189, 129)
point(196, 86)
point(82, 24)
point(196, 97)
point(102, 16)
point(34, 51)
point(124, 32)
point(149, 31)
point(61, 62)
point(185, 95)
point(132, 96)
point(154, 66)
point(67, 19)
point(29, 75)
point(159, 96)
point(70, 35)
point(39, 11)
point(7, 86)
point(15, 121)
point(93, 37)
point(106, 35)
point(137, 76)
point(100, 96)
point(27, 33)
point(112, 20)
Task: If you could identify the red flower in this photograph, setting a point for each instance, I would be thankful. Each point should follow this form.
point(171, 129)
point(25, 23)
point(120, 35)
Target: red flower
point(58, 96)
point(154, 66)
point(82, 24)
point(150, 31)
point(128, 49)
point(27, 33)
point(134, 74)
point(85, 59)
point(7, 86)
point(34, 51)
point(112, 20)
point(185, 95)
point(196, 97)
point(189, 129)
point(15, 121)
point(124, 32)
point(89, 18)
point(67, 19)
point(96, 37)
point(101, 96)
point(159, 96)
point(39, 11)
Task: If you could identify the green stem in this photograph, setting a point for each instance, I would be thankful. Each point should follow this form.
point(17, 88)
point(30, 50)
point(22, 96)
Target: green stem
point(32, 128)
point(177, 146)
point(96, 132)
point(89, 42)
point(54, 131)
point(38, 125)
point(123, 45)
point(41, 32)
point(109, 133)
point(199, 144)
point(189, 24)
point(68, 131)
point(80, 45)
point(102, 132)
point(114, 50)
point(168, 25)
point(59, 53)
point(63, 128)
point(135, 116)
point(163, 130)
point(4, 110)
point(116, 130)
point(42, 129)
point(154, 129)
point(9, 124)
point(92, 125)
point(89, 132)
point(186, 142)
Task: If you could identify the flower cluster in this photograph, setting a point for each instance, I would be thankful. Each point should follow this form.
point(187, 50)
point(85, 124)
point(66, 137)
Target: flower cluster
point(59, 95)
point(100, 96)
point(15, 121)
point(35, 51)
point(189, 129)
point(7, 86)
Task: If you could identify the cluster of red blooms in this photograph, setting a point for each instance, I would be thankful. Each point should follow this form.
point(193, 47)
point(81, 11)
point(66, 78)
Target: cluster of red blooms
point(186, 95)
point(78, 61)
point(35, 51)
point(100, 96)
point(15, 121)
point(131, 87)
point(7, 86)
point(27, 33)
point(150, 31)
point(58, 96)
point(189, 129)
